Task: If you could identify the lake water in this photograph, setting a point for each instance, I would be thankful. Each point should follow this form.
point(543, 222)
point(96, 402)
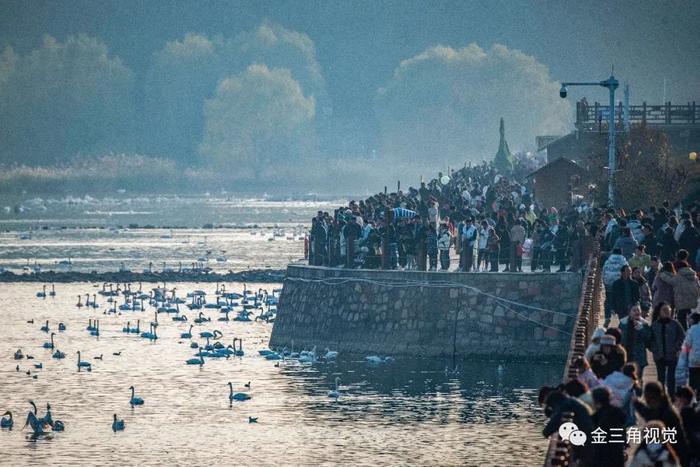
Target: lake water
point(100, 234)
point(406, 412)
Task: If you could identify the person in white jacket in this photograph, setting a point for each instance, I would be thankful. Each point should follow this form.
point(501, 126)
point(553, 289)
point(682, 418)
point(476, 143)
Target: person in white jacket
point(688, 368)
point(443, 243)
point(611, 272)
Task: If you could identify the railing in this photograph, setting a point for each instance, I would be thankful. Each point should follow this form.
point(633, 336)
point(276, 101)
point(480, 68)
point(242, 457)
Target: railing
point(559, 451)
point(593, 117)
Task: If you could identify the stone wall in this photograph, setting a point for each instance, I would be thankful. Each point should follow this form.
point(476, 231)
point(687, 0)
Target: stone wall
point(427, 313)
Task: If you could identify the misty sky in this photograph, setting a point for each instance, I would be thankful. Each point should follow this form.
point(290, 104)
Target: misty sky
point(360, 45)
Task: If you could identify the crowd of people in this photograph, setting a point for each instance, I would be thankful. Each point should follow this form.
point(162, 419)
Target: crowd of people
point(650, 258)
point(651, 284)
point(488, 220)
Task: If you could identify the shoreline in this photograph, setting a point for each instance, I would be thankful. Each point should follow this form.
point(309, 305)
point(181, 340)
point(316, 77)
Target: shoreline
point(253, 275)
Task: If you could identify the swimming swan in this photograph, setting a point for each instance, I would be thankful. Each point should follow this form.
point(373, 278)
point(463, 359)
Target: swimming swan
point(7, 422)
point(188, 334)
point(334, 393)
point(35, 423)
point(83, 364)
point(117, 425)
point(196, 361)
point(239, 396)
point(50, 345)
point(134, 400)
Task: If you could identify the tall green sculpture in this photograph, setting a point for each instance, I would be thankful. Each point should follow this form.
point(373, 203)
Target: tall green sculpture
point(504, 159)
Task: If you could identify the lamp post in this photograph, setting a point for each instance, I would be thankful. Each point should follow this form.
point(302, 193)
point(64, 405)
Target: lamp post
point(612, 84)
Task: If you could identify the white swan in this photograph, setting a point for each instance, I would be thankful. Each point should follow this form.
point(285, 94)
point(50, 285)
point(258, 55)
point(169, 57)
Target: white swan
point(35, 423)
point(117, 425)
point(196, 361)
point(56, 425)
point(308, 357)
point(137, 329)
point(7, 422)
point(335, 393)
point(134, 400)
point(239, 351)
point(188, 334)
point(211, 335)
point(330, 354)
point(83, 364)
point(376, 360)
point(150, 334)
point(49, 345)
point(239, 396)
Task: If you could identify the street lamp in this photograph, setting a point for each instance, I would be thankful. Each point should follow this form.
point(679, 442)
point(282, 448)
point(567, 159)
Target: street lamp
point(612, 84)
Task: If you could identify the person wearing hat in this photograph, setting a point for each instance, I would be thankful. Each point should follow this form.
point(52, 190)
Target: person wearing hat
point(594, 346)
point(611, 357)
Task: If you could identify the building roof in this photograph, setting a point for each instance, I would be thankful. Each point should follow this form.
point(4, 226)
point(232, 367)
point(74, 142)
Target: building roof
point(557, 162)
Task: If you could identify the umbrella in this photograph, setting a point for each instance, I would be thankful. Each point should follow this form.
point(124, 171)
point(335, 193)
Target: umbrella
point(401, 213)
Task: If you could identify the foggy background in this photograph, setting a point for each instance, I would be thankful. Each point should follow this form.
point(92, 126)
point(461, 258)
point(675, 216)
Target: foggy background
point(310, 96)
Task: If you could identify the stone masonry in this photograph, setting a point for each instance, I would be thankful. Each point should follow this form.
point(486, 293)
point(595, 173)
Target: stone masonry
point(427, 313)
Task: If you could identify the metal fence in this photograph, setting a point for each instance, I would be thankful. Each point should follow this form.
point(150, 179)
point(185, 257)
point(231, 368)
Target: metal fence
point(593, 117)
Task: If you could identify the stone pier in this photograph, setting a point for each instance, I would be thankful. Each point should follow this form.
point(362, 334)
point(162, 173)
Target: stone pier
point(432, 314)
